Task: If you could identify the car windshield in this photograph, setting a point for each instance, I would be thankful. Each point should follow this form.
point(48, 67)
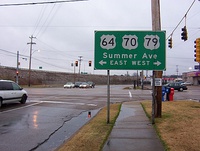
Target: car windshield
point(84, 83)
point(69, 82)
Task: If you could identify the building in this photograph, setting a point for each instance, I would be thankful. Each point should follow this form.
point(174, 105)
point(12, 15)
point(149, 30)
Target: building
point(192, 77)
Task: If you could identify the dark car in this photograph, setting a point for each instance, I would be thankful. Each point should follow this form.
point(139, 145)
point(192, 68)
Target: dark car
point(91, 84)
point(77, 84)
point(177, 86)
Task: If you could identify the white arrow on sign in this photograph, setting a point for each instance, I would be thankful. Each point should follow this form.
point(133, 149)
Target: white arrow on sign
point(102, 62)
point(157, 63)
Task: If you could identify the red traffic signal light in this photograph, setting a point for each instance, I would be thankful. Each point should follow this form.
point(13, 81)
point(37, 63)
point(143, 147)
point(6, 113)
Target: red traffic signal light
point(184, 33)
point(197, 50)
point(76, 63)
point(90, 63)
point(170, 43)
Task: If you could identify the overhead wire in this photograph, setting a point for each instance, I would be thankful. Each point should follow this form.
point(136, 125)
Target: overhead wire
point(181, 19)
point(53, 65)
point(38, 3)
point(25, 56)
point(39, 18)
point(50, 18)
point(56, 50)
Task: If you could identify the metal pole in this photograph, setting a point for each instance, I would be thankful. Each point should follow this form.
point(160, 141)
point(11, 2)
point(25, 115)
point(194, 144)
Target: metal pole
point(17, 71)
point(142, 80)
point(108, 96)
point(153, 99)
point(80, 59)
point(137, 79)
point(74, 72)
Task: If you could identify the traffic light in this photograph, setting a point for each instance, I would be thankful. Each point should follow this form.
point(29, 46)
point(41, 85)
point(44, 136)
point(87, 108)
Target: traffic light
point(197, 50)
point(90, 63)
point(17, 72)
point(170, 43)
point(76, 63)
point(184, 33)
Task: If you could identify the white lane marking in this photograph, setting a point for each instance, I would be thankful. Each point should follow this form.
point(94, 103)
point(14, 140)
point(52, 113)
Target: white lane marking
point(39, 102)
point(91, 104)
point(57, 102)
point(20, 107)
point(130, 95)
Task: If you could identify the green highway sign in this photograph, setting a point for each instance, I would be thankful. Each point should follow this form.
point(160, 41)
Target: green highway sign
point(129, 50)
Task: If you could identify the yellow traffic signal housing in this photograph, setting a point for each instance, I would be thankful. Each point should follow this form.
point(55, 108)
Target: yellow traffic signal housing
point(197, 50)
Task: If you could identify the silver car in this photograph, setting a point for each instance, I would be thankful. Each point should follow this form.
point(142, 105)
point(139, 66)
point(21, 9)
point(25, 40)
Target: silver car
point(69, 85)
point(84, 85)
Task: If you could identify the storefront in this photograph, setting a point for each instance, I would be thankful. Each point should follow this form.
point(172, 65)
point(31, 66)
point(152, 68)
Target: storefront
point(193, 77)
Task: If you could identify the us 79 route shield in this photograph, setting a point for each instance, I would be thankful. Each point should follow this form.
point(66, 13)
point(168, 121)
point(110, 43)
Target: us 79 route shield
point(129, 50)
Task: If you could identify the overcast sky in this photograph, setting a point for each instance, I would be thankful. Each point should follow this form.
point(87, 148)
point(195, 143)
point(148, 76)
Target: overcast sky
point(65, 31)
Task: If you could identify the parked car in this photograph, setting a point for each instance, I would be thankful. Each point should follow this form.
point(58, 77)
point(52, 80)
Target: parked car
point(84, 85)
point(69, 85)
point(177, 86)
point(92, 84)
point(77, 84)
point(11, 92)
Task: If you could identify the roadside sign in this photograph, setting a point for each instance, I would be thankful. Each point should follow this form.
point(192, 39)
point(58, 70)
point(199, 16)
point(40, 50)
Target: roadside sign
point(197, 67)
point(129, 50)
point(158, 82)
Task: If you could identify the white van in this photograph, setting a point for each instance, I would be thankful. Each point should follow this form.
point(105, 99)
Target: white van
point(11, 92)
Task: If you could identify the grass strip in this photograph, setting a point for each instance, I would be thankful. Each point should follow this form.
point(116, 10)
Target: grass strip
point(179, 126)
point(93, 135)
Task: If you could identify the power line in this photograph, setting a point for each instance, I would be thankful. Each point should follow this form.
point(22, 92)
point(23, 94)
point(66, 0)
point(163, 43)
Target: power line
point(181, 19)
point(39, 18)
point(39, 3)
point(45, 22)
point(25, 56)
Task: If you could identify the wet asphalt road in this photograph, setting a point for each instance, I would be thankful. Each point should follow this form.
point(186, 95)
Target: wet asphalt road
point(52, 115)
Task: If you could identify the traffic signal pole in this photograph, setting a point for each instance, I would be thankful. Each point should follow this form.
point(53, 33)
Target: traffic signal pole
point(157, 90)
point(17, 70)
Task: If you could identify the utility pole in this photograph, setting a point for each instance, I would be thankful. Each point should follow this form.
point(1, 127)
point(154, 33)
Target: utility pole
point(157, 90)
point(29, 71)
point(80, 59)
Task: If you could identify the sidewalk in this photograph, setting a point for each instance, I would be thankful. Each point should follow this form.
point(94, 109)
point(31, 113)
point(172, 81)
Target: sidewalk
point(133, 131)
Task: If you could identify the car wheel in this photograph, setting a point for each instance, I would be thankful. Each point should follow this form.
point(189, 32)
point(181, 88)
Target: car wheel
point(23, 100)
point(0, 102)
point(181, 89)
